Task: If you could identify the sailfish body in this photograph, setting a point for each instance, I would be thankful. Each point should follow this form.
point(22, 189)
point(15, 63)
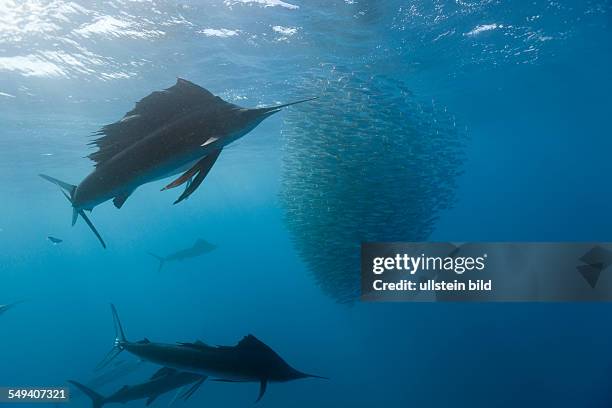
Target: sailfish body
point(249, 361)
point(181, 129)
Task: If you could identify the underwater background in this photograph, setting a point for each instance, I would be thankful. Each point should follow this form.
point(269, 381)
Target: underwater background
point(436, 120)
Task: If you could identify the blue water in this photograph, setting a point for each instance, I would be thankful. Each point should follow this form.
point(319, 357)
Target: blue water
point(526, 86)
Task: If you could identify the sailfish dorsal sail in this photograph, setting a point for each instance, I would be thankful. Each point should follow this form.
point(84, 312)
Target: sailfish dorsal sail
point(150, 113)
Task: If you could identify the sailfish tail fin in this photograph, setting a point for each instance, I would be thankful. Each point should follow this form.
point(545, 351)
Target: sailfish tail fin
point(120, 341)
point(91, 226)
point(68, 190)
point(161, 260)
point(97, 400)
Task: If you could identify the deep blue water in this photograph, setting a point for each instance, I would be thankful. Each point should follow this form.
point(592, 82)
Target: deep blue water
point(526, 87)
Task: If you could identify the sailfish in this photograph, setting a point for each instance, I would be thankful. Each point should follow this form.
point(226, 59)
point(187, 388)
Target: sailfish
point(181, 129)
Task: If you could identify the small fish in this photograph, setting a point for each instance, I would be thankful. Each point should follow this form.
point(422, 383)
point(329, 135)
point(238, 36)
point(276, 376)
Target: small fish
point(182, 129)
point(200, 247)
point(54, 240)
point(249, 361)
point(364, 156)
point(5, 308)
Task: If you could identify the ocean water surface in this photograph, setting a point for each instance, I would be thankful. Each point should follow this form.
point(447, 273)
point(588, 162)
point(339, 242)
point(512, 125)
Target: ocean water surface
point(436, 120)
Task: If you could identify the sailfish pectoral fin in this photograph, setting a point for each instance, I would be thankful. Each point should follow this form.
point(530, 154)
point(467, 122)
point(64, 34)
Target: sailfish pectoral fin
point(202, 167)
point(188, 175)
point(151, 399)
point(263, 385)
point(185, 396)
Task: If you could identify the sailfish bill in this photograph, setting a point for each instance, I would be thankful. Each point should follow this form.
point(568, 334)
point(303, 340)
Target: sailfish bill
point(164, 133)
